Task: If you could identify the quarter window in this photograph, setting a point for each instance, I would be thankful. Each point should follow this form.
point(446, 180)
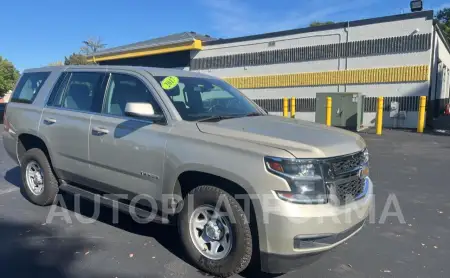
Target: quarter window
point(29, 86)
point(58, 90)
point(123, 89)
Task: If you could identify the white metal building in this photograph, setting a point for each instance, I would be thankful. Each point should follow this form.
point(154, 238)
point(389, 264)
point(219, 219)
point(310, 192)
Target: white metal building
point(399, 57)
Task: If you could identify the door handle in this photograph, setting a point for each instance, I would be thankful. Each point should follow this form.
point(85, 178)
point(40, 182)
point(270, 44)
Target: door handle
point(100, 130)
point(49, 121)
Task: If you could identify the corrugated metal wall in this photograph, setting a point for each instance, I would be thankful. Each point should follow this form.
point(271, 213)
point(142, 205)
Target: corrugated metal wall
point(407, 103)
point(382, 46)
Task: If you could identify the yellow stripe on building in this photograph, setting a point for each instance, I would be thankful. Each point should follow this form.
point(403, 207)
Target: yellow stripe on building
point(358, 76)
point(194, 45)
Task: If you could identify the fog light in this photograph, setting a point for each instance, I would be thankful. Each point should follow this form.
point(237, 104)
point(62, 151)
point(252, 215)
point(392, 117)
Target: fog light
point(301, 198)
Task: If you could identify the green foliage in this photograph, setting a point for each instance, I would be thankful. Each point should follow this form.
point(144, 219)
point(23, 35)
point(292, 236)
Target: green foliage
point(8, 76)
point(57, 63)
point(89, 47)
point(443, 18)
point(76, 59)
point(318, 23)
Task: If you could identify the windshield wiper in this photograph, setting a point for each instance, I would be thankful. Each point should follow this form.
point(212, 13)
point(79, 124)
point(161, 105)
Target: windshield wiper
point(254, 114)
point(226, 117)
point(217, 118)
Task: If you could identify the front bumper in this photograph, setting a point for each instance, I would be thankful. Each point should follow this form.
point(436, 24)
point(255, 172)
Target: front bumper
point(276, 263)
point(297, 234)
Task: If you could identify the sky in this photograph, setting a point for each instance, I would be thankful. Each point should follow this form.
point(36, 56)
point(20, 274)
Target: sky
point(35, 33)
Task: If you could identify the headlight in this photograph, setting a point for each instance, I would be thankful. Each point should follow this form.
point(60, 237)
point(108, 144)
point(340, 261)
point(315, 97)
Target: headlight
point(304, 178)
point(366, 156)
point(365, 166)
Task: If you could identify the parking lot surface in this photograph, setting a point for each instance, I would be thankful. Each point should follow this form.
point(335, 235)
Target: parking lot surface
point(410, 168)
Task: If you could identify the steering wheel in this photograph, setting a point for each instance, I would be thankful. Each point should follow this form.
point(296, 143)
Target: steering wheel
point(215, 106)
point(233, 102)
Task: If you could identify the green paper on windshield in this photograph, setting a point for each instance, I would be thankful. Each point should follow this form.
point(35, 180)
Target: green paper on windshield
point(169, 82)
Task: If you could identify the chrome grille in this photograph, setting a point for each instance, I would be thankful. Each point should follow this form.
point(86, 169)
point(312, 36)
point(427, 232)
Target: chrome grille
point(343, 178)
point(347, 191)
point(346, 164)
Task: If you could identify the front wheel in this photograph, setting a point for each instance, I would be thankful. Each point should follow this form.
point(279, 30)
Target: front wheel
point(215, 232)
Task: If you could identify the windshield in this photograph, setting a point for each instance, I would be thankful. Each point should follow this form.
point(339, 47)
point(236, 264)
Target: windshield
point(198, 98)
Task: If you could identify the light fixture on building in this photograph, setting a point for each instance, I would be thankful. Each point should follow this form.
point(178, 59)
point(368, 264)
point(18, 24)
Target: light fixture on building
point(416, 5)
point(416, 31)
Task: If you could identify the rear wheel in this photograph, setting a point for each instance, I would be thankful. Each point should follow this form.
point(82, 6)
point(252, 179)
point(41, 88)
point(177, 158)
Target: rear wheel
point(214, 231)
point(39, 183)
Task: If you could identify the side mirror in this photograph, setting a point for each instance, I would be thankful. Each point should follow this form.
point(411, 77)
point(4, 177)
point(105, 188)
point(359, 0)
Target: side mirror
point(142, 110)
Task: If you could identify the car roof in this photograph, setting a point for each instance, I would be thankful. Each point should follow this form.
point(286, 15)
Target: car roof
point(151, 70)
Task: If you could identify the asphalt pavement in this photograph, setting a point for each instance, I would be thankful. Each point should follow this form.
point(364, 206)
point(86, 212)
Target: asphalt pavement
point(410, 168)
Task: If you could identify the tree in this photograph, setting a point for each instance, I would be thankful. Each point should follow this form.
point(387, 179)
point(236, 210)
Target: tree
point(92, 45)
point(57, 63)
point(443, 19)
point(8, 76)
point(318, 23)
point(76, 59)
point(89, 47)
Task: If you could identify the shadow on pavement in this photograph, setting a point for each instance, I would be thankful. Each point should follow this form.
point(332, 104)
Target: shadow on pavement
point(28, 250)
point(166, 235)
point(32, 250)
point(13, 176)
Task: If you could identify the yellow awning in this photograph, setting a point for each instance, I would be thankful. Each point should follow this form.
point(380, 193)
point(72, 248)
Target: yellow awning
point(192, 45)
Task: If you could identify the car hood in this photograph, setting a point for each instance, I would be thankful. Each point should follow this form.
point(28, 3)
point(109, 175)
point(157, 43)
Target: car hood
point(300, 138)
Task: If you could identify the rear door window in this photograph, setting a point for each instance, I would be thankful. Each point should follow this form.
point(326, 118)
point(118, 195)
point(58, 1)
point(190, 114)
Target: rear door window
point(28, 87)
point(81, 91)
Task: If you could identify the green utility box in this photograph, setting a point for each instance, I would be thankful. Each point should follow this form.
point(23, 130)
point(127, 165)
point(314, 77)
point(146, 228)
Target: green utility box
point(347, 109)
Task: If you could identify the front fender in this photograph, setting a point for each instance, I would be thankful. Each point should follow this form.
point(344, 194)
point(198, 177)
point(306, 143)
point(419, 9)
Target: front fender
point(242, 181)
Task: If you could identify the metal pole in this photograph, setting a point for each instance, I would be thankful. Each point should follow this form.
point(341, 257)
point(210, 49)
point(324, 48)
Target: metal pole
point(293, 108)
point(329, 104)
point(422, 106)
point(380, 115)
point(285, 107)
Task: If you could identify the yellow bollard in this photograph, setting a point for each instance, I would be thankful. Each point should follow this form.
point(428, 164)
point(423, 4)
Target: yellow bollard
point(293, 108)
point(285, 107)
point(328, 116)
point(380, 115)
point(422, 106)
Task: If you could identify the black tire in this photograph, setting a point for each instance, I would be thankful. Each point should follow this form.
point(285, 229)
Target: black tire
point(241, 253)
point(50, 182)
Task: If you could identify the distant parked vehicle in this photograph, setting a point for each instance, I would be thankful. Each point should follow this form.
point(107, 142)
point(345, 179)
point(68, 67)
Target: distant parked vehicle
point(201, 150)
point(2, 111)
